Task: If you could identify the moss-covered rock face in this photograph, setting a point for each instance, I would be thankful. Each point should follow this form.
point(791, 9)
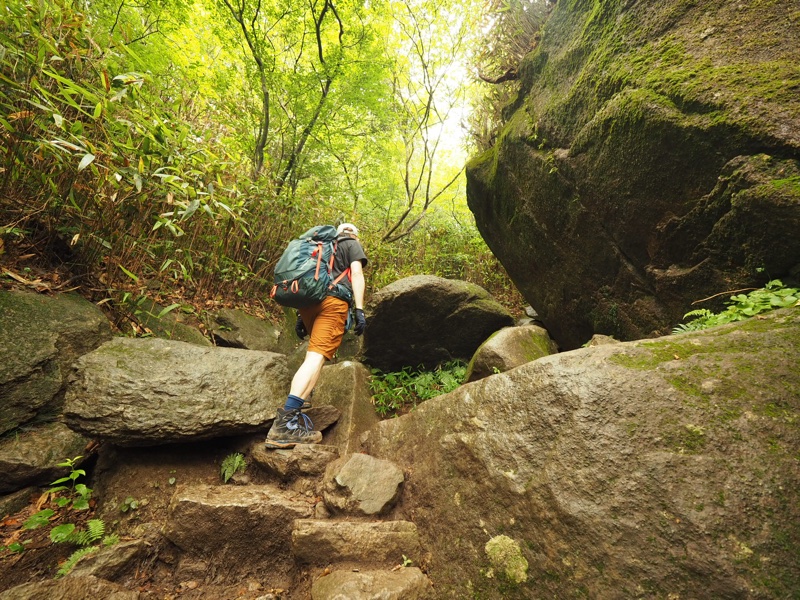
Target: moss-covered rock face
point(426, 320)
point(40, 337)
point(652, 158)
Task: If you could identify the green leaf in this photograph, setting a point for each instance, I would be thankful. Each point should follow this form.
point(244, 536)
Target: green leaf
point(168, 310)
point(129, 274)
point(80, 504)
point(72, 86)
point(193, 206)
point(61, 533)
point(38, 519)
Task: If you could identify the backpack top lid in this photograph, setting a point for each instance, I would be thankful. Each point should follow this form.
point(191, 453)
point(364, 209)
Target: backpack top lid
point(322, 233)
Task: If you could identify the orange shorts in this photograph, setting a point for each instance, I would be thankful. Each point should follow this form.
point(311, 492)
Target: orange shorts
point(326, 322)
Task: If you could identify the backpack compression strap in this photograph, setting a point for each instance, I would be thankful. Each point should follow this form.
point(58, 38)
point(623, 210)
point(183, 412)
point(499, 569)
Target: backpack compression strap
point(342, 275)
point(318, 252)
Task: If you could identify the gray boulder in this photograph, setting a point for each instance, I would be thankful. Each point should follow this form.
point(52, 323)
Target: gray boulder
point(426, 320)
point(31, 457)
point(112, 562)
point(665, 465)
point(361, 485)
point(600, 340)
point(344, 386)
point(16, 501)
point(40, 336)
point(233, 328)
point(304, 460)
point(508, 348)
point(141, 392)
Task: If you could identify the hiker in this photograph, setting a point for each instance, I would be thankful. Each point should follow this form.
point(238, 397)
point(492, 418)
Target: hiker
point(326, 322)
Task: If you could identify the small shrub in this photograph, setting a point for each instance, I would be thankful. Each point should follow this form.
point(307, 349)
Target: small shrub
point(397, 392)
point(89, 541)
point(131, 504)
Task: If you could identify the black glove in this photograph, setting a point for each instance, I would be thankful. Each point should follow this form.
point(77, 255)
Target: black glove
point(300, 328)
point(361, 322)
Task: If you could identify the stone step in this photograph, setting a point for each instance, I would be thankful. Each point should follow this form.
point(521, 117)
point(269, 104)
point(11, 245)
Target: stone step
point(324, 542)
point(398, 584)
point(73, 587)
point(304, 460)
point(243, 528)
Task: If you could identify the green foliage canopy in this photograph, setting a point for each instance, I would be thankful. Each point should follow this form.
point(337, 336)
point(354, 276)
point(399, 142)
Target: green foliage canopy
point(132, 134)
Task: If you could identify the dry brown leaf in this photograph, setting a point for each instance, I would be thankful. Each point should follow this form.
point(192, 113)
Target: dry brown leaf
point(20, 115)
point(42, 501)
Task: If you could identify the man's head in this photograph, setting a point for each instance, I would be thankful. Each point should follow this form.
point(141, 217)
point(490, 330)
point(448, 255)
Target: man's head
point(347, 228)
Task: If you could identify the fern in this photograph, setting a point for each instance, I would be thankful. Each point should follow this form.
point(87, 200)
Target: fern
point(740, 307)
point(95, 529)
point(232, 464)
point(73, 559)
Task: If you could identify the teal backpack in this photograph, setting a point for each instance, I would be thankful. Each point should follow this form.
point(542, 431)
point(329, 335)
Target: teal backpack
point(303, 272)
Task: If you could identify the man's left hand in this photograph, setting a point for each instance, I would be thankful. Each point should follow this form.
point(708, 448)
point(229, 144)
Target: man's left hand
point(300, 328)
point(361, 322)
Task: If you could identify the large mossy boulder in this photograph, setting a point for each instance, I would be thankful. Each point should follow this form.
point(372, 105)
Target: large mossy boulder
point(651, 159)
point(426, 320)
point(663, 468)
point(40, 337)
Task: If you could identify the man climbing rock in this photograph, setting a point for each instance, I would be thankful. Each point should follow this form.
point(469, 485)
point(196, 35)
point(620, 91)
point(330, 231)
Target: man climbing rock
point(326, 322)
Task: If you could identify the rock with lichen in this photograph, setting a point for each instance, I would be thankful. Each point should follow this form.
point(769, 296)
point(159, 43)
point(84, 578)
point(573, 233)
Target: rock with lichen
point(506, 557)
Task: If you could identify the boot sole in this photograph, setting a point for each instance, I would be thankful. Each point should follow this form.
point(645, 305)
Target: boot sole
point(277, 444)
point(273, 444)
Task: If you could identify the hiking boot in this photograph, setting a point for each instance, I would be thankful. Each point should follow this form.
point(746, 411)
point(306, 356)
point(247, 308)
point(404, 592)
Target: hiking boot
point(292, 427)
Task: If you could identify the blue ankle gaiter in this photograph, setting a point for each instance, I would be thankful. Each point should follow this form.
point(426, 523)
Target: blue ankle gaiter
point(293, 403)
